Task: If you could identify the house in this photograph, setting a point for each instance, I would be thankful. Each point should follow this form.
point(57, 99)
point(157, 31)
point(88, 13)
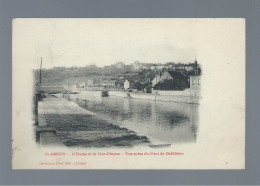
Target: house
point(148, 88)
point(126, 84)
point(109, 83)
point(120, 65)
point(160, 67)
point(156, 79)
point(195, 82)
point(179, 66)
point(145, 67)
point(95, 82)
point(120, 84)
point(133, 85)
point(189, 68)
point(153, 67)
point(170, 67)
point(172, 80)
point(90, 82)
point(82, 85)
point(137, 66)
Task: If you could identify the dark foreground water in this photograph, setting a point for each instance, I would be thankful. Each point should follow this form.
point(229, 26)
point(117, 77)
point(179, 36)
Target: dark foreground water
point(161, 122)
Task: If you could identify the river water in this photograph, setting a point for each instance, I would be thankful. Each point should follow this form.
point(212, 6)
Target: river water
point(161, 122)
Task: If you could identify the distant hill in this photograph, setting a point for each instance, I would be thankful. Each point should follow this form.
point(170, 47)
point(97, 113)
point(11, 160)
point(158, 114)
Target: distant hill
point(60, 76)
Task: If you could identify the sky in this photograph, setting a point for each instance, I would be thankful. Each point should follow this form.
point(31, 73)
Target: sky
point(82, 42)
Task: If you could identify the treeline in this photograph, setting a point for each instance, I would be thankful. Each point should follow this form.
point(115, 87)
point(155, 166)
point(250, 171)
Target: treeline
point(118, 71)
point(64, 75)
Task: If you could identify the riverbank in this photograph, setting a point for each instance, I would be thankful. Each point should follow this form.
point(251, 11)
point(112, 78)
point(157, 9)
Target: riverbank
point(177, 98)
point(155, 97)
point(78, 127)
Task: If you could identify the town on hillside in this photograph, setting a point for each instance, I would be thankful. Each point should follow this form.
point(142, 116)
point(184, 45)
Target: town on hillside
point(137, 77)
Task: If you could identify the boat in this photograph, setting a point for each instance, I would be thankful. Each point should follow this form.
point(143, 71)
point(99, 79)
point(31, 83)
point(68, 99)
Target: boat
point(104, 93)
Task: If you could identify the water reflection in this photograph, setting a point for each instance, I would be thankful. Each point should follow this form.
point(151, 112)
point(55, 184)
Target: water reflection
point(161, 122)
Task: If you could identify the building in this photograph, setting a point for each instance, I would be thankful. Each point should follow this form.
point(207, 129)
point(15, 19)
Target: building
point(120, 84)
point(126, 84)
point(120, 65)
point(137, 66)
point(153, 67)
point(134, 86)
point(180, 66)
point(156, 79)
point(160, 67)
point(109, 83)
point(145, 67)
point(95, 82)
point(170, 67)
point(195, 82)
point(172, 80)
point(82, 85)
point(90, 82)
point(189, 68)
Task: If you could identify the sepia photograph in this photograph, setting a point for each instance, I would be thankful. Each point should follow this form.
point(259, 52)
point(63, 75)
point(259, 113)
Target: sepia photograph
point(128, 93)
point(154, 104)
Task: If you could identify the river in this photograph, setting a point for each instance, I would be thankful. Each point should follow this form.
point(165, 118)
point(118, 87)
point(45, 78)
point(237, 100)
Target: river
point(162, 122)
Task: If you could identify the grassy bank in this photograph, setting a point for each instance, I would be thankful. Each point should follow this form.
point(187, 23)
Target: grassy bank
point(88, 131)
point(77, 127)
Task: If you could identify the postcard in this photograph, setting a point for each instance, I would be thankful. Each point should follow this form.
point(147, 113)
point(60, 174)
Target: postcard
point(128, 93)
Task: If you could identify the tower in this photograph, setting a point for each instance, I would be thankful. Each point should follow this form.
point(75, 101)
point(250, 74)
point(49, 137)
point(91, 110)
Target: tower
point(195, 64)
